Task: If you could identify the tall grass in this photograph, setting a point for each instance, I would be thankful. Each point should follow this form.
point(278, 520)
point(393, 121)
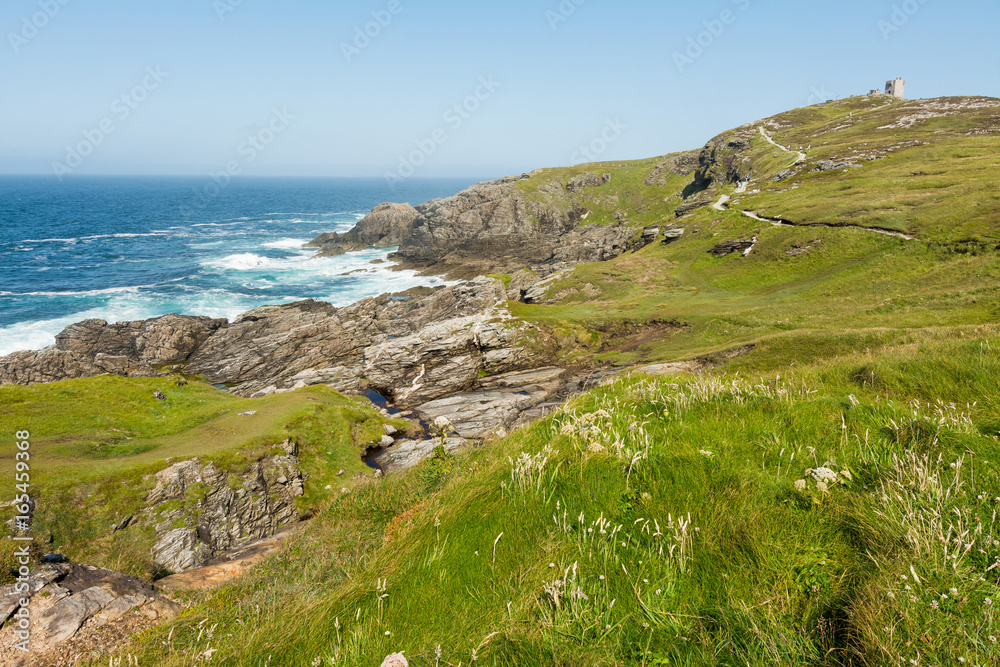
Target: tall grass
point(812, 518)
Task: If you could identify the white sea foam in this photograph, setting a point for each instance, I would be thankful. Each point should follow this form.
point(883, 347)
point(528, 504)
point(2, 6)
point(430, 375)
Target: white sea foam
point(242, 262)
point(73, 240)
point(288, 244)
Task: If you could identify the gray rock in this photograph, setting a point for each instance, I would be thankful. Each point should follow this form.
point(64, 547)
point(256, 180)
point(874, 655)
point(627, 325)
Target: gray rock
point(830, 165)
point(94, 347)
point(408, 453)
point(672, 233)
point(496, 403)
point(680, 164)
point(386, 226)
point(65, 617)
point(491, 228)
point(520, 283)
point(587, 180)
point(729, 247)
point(231, 511)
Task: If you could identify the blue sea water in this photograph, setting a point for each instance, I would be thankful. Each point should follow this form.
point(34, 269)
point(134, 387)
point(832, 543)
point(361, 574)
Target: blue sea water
point(124, 248)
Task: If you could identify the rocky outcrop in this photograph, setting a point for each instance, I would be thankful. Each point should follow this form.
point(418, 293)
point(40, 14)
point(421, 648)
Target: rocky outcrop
point(94, 347)
point(410, 348)
point(679, 164)
point(200, 511)
point(830, 165)
point(415, 346)
point(75, 605)
point(225, 567)
point(694, 202)
point(491, 228)
point(729, 247)
point(386, 226)
point(493, 404)
point(587, 180)
point(408, 453)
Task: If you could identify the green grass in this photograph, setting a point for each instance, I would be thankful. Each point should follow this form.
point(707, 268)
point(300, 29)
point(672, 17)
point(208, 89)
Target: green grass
point(665, 521)
point(669, 512)
point(625, 193)
point(96, 443)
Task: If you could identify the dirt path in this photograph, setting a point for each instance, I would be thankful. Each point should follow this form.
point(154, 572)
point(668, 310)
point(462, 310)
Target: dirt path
point(724, 199)
point(801, 157)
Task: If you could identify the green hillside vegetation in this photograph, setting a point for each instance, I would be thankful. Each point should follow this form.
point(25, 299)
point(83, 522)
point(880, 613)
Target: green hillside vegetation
point(823, 494)
point(662, 522)
point(626, 193)
point(96, 443)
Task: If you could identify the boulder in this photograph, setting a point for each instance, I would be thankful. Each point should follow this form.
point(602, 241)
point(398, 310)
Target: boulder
point(495, 403)
point(94, 347)
point(672, 233)
point(386, 226)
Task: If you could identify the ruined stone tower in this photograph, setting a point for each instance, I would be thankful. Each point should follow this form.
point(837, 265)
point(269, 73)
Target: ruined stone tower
point(896, 88)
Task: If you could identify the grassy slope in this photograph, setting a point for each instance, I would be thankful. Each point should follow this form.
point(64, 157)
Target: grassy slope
point(881, 359)
point(848, 280)
point(658, 523)
point(95, 443)
point(625, 193)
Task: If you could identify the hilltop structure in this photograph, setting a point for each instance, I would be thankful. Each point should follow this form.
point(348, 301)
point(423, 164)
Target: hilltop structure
point(895, 88)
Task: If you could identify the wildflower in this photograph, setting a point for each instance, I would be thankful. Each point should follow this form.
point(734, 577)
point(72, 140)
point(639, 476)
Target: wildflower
point(387, 633)
point(988, 602)
point(800, 485)
point(707, 454)
point(993, 639)
point(442, 423)
point(601, 577)
point(822, 487)
point(824, 475)
point(595, 448)
point(934, 604)
point(954, 591)
point(846, 474)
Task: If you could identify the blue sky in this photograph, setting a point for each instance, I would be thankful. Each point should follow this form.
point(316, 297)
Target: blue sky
point(560, 75)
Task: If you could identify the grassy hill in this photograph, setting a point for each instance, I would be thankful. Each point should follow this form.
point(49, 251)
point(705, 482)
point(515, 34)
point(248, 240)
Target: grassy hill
point(828, 498)
point(96, 443)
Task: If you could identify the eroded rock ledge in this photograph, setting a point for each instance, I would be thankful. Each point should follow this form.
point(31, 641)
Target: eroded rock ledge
point(412, 348)
point(487, 228)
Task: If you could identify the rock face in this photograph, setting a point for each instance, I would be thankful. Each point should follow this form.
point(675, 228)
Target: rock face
point(411, 347)
point(94, 347)
point(387, 225)
point(676, 165)
point(830, 165)
point(220, 510)
point(729, 247)
point(491, 228)
point(494, 403)
point(408, 453)
point(67, 599)
point(587, 180)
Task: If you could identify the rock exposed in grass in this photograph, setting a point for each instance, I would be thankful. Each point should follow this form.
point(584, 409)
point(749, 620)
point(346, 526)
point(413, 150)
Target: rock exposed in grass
point(67, 602)
point(231, 510)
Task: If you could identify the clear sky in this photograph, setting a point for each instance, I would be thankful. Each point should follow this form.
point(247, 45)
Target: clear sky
point(269, 88)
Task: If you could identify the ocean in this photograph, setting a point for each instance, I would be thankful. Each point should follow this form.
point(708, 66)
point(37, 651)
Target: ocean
point(131, 248)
